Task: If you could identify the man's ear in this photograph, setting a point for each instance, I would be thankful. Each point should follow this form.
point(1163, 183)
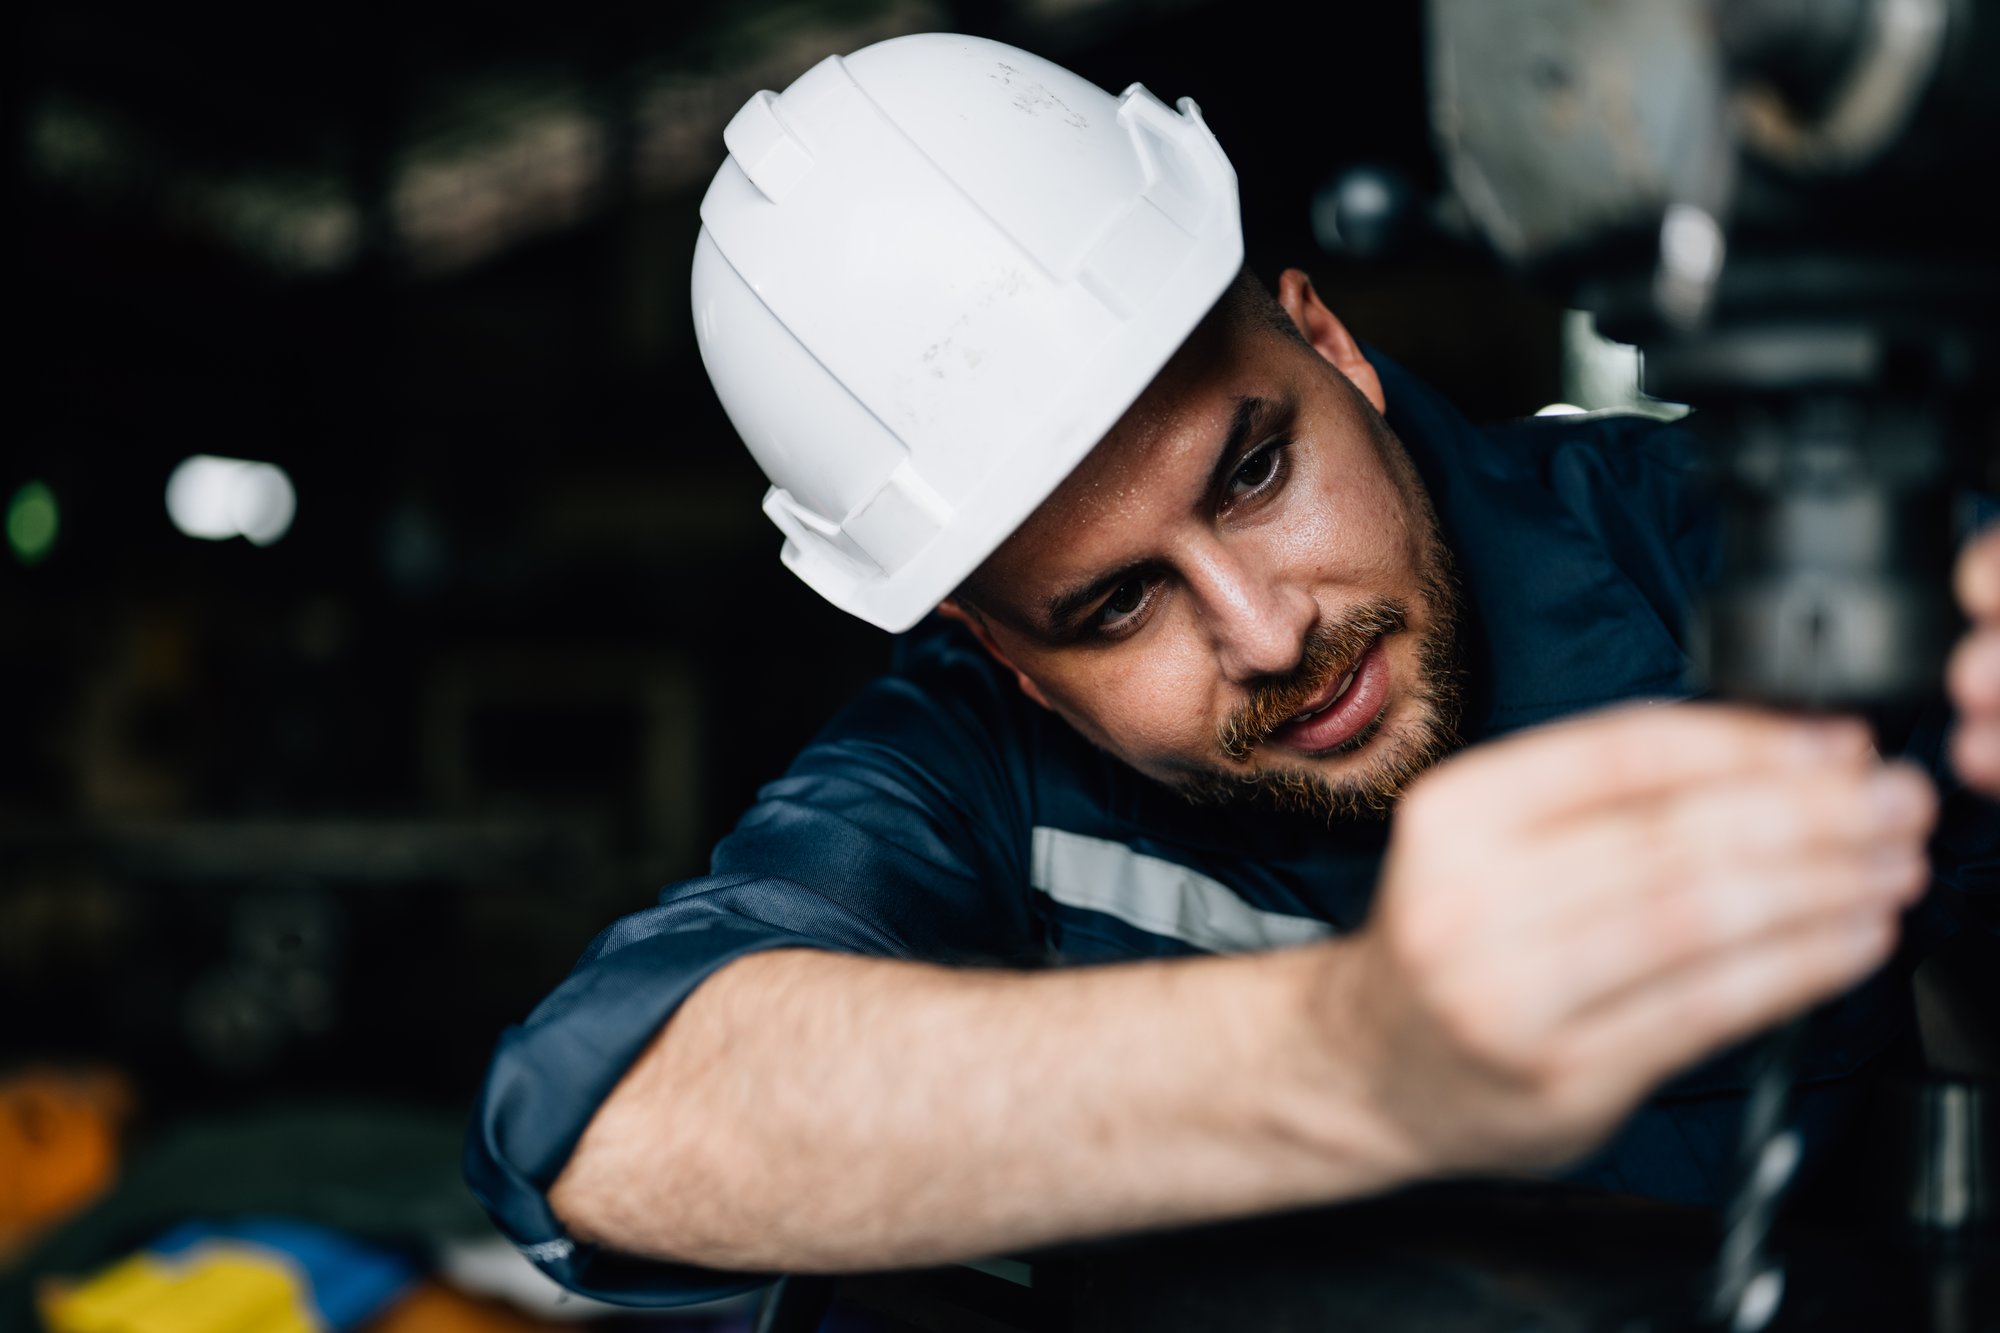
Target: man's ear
point(1329, 337)
point(972, 620)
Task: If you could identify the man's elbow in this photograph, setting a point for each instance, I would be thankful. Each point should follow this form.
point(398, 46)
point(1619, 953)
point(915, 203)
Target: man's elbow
point(578, 1200)
point(632, 1187)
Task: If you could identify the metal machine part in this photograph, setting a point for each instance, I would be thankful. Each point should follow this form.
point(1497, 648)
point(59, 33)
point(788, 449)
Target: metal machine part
point(1769, 197)
point(1938, 1179)
point(1838, 532)
point(1772, 199)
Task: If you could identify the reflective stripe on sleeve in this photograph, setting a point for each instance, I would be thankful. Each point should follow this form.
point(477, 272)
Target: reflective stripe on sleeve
point(1159, 896)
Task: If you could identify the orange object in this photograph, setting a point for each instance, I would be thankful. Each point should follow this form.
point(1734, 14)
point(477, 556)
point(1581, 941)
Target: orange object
point(58, 1147)
point(432, 1307)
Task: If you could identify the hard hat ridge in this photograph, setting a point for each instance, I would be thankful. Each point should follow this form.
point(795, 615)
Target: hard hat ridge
point(930, 277)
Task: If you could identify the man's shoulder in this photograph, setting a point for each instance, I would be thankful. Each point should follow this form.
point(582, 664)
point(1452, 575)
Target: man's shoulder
point(948, 728)
point(1581, 544)
point(1634, 487)
point(1629, 448)
point(1645, 466)
point(943, 705)
point(1591, 474)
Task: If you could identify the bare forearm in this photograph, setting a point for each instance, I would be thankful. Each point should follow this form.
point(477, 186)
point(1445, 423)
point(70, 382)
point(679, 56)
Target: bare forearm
point(809, 1111)
point(1565, 918)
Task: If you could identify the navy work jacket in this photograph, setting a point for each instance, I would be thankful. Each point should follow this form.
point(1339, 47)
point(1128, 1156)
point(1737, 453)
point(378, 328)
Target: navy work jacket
point(942, 816)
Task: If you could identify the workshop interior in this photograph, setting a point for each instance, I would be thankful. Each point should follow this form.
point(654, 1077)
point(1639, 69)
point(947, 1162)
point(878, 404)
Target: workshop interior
point(389, 606)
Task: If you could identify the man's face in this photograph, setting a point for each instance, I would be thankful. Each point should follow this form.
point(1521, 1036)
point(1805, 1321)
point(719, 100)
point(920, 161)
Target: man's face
point(1241, 591)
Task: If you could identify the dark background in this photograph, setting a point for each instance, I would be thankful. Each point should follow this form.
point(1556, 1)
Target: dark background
point(318, 817)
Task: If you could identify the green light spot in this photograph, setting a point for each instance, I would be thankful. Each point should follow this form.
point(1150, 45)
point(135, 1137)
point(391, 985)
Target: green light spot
point(32, 521)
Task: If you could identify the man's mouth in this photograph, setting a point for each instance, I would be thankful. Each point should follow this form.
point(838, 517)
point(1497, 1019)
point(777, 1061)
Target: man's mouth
point(1343, 710)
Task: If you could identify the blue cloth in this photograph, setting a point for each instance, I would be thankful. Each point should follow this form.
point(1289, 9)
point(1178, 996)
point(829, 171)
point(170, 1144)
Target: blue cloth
point(348, 1281)
point(912, 826)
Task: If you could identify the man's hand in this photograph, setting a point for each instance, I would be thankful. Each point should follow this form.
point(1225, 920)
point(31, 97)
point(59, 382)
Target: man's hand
point(1571, 916)
point(1974, 674)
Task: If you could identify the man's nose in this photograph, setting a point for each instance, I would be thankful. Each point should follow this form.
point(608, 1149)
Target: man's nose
point(1259, 618)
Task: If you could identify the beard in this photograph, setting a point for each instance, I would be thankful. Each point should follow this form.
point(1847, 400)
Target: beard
point(1332, 649)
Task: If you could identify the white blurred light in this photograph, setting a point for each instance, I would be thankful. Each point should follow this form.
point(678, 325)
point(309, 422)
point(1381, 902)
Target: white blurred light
point(1561, 410)
point(263, 503)
point(198, 497)
point(218, 498)
point(1691, 243)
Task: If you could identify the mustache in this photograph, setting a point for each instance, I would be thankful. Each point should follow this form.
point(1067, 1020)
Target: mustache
point(1332, 647)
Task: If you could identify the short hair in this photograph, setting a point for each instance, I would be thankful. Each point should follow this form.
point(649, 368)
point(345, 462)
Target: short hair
point(1248, 304)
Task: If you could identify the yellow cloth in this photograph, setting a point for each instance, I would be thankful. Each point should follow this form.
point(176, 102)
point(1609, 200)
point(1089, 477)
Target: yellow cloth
point(216, 1288)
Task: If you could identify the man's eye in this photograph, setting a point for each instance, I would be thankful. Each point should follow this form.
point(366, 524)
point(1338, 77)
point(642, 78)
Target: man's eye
point(1256, 471)
point(1124, 601)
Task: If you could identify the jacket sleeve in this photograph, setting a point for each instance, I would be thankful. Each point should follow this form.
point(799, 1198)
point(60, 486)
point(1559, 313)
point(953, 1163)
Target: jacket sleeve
point(899, 833)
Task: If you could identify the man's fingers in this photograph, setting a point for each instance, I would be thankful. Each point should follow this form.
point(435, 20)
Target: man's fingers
point(1660, 1029)
point(1763, 826)
point(1979, 578)
point(1774, 818)
point(1974, 673)
point(1685, 929)
point(1975, 753)
point(1631, 753)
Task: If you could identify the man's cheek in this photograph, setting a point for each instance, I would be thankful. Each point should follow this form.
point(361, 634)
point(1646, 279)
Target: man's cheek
point(1130, 717)
point(1162, 727)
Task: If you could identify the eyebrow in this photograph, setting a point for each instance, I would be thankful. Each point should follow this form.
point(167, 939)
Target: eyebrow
point(1245, 423)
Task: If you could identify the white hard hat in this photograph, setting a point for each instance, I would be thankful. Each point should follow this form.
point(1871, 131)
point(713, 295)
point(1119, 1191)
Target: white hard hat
point(931, 276)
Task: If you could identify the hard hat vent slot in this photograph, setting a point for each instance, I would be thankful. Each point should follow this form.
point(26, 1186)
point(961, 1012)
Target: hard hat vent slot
point(781, 501)
point(1165, 142)
point(900, 520)
point(1140, 252)
point(770, 155)
point(806, 530)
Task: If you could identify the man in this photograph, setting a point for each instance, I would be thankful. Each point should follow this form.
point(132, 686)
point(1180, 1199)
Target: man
point(1219, 591)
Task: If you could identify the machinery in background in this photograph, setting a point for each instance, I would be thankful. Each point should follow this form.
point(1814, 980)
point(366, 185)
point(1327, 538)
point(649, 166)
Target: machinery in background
point(1783, 204)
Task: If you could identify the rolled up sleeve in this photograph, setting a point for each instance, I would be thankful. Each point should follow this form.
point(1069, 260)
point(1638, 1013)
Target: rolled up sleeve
point(897, 834)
